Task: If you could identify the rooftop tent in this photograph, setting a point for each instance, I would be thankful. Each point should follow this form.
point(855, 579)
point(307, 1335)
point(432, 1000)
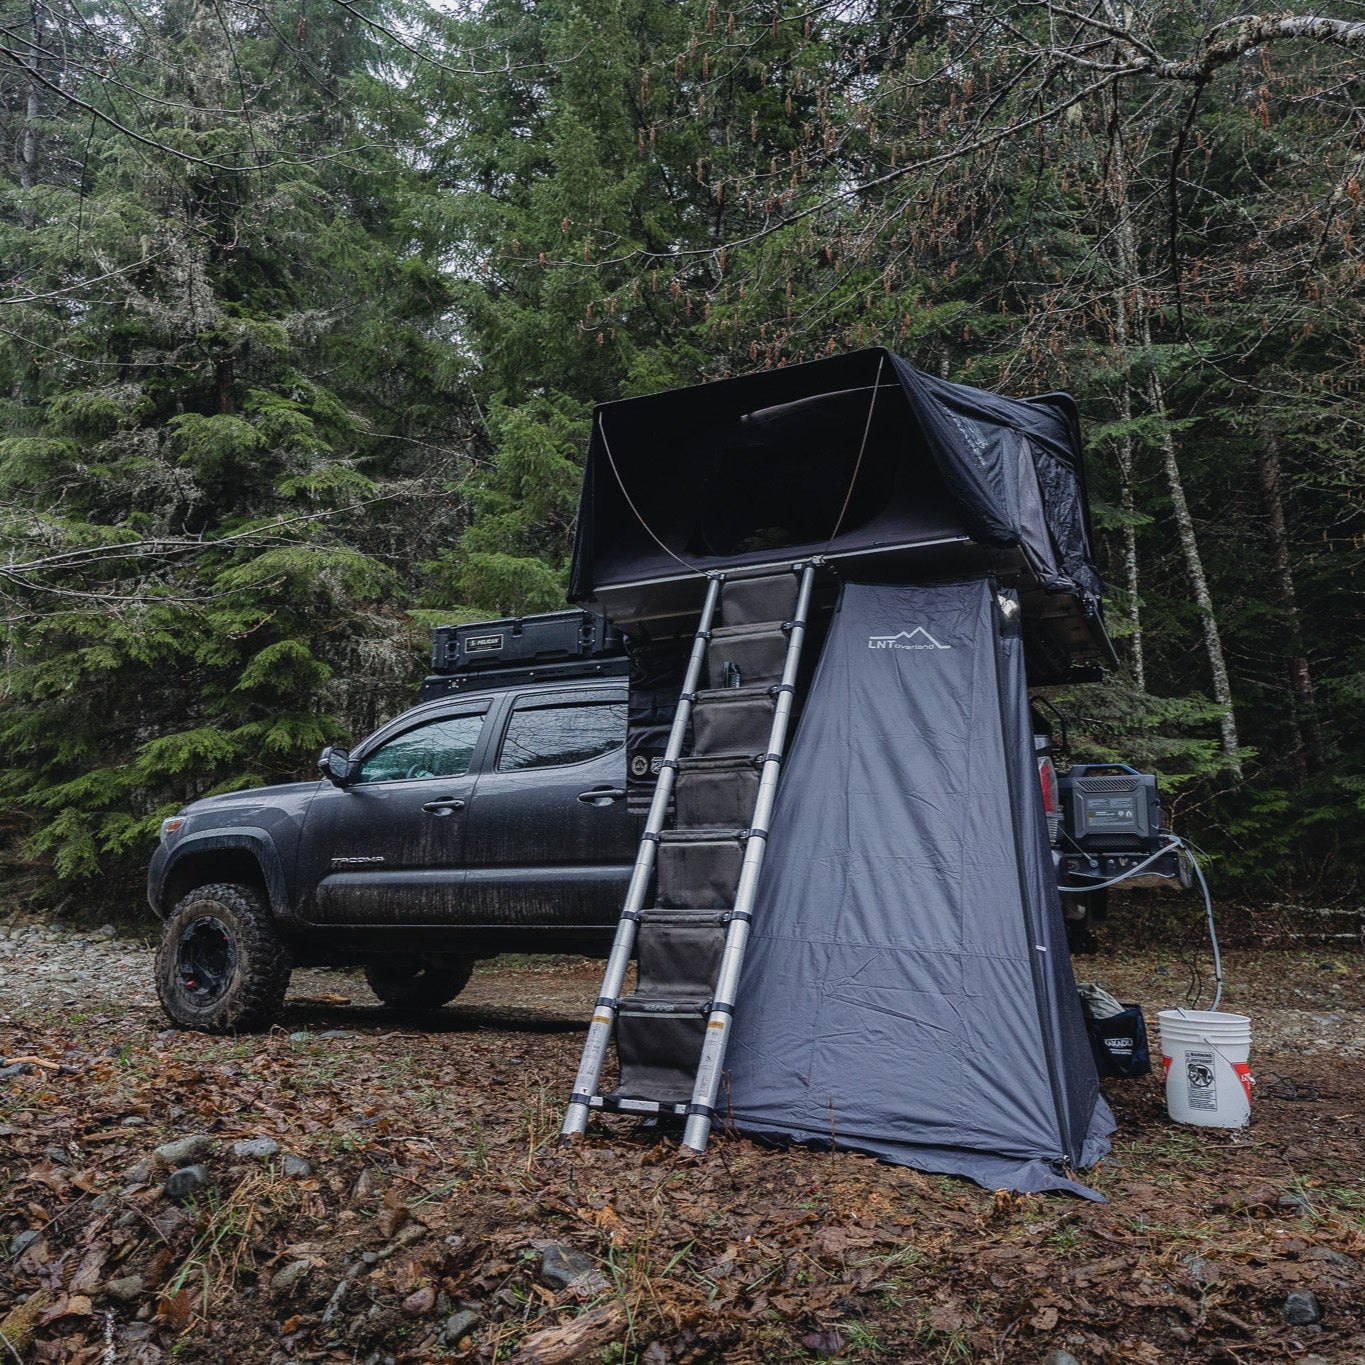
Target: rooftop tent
point(907, 990)
point(883, 469)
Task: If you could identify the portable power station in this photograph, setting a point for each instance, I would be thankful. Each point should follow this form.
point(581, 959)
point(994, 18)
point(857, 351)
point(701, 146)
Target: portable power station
point(1112, 820)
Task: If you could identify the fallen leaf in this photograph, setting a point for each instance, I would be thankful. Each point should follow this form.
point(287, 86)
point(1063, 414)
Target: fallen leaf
point(1259, 1200)
point(90, 1270)
point(945, 1318)
point(836, 1241)
point(825, 1343)
point(175, 1311)
point(35, 1256)
point(392, 1217)
point(53, 1312)
point(606, 1220)
point(1044, 1320)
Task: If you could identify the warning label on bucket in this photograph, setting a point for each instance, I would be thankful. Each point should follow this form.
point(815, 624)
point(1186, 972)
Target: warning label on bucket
point(1202, 1093)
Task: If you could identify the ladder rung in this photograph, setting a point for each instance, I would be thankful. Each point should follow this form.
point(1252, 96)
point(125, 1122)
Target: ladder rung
point(703, 836)
point(730, 694)
point(774, 628)
point(701, 763)
point(626, 1104)
point(662, 1007)
point(686, 919)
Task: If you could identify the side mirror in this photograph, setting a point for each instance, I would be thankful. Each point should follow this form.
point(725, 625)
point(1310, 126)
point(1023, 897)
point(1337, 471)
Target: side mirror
point(335, 765)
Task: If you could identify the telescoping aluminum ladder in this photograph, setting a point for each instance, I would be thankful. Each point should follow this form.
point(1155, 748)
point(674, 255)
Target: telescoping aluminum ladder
point(671, 1034)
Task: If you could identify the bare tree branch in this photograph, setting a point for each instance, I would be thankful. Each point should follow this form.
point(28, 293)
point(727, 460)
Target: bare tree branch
point(162, 547)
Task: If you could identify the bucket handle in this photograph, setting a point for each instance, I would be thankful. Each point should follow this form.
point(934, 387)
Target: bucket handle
point(1208, 1042)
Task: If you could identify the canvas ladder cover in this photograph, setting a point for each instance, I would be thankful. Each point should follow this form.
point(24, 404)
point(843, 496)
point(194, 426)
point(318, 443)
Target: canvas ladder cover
point(907, 987)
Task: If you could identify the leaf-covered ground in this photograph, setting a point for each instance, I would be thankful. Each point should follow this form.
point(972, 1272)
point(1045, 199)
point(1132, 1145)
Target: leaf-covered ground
point(439, 1203)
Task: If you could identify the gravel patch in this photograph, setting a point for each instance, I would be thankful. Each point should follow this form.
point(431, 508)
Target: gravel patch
point(49, 968)
point(46, 967)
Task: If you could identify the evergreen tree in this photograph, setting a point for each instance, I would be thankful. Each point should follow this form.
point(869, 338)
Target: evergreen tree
point(601, 161)
point(230, 426)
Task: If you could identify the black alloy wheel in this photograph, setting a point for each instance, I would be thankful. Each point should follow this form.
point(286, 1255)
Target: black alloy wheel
point(205, 959)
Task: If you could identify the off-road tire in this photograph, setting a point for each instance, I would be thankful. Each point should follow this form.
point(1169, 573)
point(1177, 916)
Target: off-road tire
point(408, 984)
point(220, 966)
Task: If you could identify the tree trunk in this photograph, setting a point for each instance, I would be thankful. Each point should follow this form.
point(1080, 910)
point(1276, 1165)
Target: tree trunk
point(1303, 713)
point(224, 382)
point(1125, 251)
point(1194, 567)
point(28, 139)
point(28, 144)
point(33, 108)
point(1132, 287)
point(1128, 503)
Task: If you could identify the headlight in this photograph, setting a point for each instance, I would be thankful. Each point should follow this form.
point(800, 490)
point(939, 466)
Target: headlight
point(172, 824)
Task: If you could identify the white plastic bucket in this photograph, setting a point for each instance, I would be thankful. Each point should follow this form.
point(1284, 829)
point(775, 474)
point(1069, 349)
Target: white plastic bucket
point(1205, 1057)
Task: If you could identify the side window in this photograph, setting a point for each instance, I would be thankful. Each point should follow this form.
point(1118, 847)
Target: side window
point(441, 748)
point(549, 736)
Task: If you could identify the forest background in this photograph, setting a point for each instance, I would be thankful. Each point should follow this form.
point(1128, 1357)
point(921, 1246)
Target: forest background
point(304, 306)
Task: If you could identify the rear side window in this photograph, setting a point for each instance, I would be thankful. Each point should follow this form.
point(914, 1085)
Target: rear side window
point(441, 748)
point(550, 736)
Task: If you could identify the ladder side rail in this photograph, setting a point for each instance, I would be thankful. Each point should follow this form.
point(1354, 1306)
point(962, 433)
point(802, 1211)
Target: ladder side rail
point(707, 1085)
point(623, 945)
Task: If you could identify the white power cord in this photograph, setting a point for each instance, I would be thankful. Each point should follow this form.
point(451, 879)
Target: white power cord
point(1172, 842)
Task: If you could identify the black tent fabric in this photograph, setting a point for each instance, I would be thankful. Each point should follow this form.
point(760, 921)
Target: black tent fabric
point(855, 456)
point(907, 990)
point(1015, 466)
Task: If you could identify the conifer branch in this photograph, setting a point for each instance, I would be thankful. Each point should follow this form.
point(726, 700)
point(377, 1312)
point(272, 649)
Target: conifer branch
point(75, 101)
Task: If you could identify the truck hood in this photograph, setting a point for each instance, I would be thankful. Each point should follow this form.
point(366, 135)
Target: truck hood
point(232, 806)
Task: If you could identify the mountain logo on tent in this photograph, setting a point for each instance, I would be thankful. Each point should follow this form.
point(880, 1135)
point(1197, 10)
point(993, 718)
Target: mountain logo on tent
point(919, 638)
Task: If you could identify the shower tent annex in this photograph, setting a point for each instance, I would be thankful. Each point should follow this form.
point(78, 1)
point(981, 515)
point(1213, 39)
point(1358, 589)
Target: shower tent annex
point(907, 989)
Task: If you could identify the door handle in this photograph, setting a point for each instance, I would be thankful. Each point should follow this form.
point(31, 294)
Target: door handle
point(446, 807)
point(601, 796)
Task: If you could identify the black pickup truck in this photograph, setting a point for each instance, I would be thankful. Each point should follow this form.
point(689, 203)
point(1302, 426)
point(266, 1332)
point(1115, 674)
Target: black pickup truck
point(493, 818)
point(479, 823)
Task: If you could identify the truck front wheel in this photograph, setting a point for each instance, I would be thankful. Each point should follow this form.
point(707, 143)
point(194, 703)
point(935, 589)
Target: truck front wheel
point(410, 984)
point(220, 966)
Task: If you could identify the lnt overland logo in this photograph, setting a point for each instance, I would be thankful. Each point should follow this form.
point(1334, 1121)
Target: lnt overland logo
point(919, 638)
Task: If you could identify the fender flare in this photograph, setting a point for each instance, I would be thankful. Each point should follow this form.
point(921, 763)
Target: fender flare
point(254, 840)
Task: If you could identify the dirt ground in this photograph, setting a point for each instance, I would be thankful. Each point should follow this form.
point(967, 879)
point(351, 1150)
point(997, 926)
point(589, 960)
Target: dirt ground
point(410, 1201)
